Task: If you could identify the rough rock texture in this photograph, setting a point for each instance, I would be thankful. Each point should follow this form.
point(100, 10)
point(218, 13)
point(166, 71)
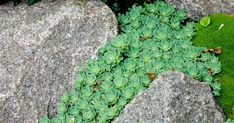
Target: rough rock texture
point(173, 98)
point(41, 47)
point(199, 8)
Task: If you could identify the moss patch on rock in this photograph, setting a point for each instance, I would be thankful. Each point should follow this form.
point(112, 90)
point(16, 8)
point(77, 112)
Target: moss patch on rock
point(220, 33)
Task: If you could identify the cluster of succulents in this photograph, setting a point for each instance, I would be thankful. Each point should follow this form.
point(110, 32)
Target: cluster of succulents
point(152, 41)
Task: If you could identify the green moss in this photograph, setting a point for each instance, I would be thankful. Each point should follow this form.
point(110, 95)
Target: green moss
point(213, 37)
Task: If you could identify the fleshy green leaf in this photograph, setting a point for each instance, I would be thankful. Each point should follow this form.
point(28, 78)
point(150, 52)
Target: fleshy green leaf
point(205, 21)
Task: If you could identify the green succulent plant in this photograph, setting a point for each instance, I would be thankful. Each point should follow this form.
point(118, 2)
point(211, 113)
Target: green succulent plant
point(133, 15)
point(161, 34)
point(105, 86)
point(73, 111)
point(230, 121)
point(175, 24)
point(120, 42)
point(61, 108)
point(64, 98)
point(166, 10)
point(87, 92)
point(151, 41)
point(128, 93)
point(165, 45)
point(82, 104)
point(112, 57)
point(95, 67)
point(150, 22)
point(179, 35)
point(119, 81)
point(111, 96)
point(44, 120)
point(194, 72)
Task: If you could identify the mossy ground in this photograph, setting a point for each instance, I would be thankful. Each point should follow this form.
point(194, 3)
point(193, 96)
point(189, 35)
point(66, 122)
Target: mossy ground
point(213, 37)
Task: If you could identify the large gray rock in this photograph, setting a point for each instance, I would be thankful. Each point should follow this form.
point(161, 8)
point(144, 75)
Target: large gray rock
point(41, 47)
point(199, 8)
point(173, 98)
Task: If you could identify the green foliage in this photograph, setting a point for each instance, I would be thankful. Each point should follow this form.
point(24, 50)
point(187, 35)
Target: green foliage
point(152, 41)
point(121, 6)
point(230, 121)
point(205, 21)
point(220, 33)
point(29, 2)
point(44, 120)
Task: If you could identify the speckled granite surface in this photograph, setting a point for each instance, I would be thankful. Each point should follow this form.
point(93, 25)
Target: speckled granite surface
point(199, 8)
point(41, 47)
point(173, 98)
